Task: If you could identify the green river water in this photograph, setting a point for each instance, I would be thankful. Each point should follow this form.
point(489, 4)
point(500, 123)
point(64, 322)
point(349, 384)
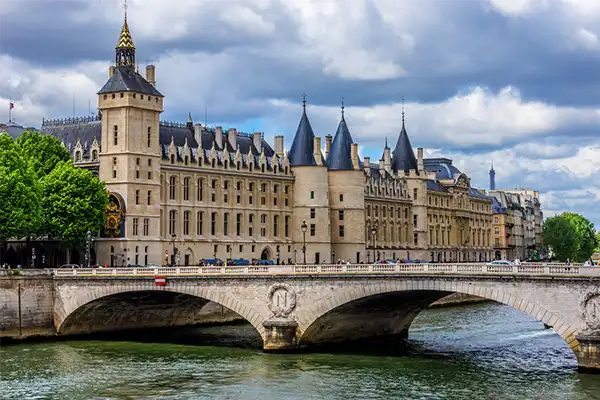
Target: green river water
point(486, 351)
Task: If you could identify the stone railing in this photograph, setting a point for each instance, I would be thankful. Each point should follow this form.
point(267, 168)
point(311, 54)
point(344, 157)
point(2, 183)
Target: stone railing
point(343, 269)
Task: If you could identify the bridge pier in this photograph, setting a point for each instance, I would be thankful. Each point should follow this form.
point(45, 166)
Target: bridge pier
point(280, 335)
point(588, 355)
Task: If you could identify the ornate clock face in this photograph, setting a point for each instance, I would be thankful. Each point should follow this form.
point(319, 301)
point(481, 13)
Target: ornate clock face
point(112, 222)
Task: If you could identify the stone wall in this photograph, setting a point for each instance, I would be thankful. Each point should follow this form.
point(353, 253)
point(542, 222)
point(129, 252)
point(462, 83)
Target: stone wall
point(457, 299)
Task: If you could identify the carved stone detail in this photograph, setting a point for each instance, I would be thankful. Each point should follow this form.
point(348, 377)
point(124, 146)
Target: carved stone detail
point(591, 310)
point(281, 300)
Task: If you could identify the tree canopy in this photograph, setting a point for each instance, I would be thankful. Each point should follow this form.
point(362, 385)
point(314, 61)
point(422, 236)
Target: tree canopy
point(570, 236)
point(43, 193)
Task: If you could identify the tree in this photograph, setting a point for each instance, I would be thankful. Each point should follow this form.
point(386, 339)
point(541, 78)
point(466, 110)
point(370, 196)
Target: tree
point(558, 234)
point(73, 201)
point(584, 235)
point(597, 249)
point(20, 214)
point(42, 152)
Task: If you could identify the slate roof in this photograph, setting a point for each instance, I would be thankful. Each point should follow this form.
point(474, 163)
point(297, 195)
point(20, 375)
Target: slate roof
point(497, 207)
point(339, 157)
point(478, 194)
point(302, 151)
point(68, 133)
point(435, 186)
point(14, 130)
point(126, 79)
point(442, 167)
point(403, 158)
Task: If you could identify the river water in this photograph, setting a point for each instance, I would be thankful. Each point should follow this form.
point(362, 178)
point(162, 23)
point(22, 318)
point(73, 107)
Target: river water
point(486, 351)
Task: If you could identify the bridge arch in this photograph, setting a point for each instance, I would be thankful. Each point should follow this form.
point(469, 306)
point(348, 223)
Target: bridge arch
point(310, 321)
point(70, 301)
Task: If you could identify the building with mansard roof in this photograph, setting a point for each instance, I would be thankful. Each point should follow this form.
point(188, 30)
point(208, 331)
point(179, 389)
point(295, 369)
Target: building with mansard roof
point(185, 192)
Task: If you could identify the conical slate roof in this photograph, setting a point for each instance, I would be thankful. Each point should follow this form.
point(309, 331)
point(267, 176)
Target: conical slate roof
point(403, 158)
point(302, 150)
point(339, 157)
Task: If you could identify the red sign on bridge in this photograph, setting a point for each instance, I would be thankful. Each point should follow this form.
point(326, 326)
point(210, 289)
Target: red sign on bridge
point(160, 280)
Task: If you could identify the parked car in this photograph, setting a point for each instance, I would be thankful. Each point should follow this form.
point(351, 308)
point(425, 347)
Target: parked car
point(500, 262)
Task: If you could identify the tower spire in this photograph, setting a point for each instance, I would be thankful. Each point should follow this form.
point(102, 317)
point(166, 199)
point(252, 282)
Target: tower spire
point(492, 177)
point(342, 107)
point(125, 50)
point(304, 101)
point(402, 110)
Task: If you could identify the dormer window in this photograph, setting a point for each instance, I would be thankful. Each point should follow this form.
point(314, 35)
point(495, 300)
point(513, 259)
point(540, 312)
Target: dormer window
point(172, 158)
point(77, 156)
point(122, 95)
point(94, 155)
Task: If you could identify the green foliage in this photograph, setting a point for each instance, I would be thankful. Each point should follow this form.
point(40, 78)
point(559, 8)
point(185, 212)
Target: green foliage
point(585, 236)
point(597, 249)
point(559, 235)
point(42, 192)
point(20, 213)
point(73, 201)
point(42, 152)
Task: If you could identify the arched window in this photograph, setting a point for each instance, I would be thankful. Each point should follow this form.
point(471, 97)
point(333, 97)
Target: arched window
point(94, 155)
point(172, 158)
point(77, 156)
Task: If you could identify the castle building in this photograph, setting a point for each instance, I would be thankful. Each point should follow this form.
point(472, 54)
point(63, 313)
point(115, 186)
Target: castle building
point(183, 192)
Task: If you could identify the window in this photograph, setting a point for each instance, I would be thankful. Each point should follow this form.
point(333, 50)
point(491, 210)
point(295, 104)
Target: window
point(251, 186)
point(238, 225)
point(137, 197)
point(225, 198)
point(341, 230)
point(286, 202)
point(263, 228)
point(275, 188)
point(341, 197)
point(146, 226)
point(275, 202)
point(172, 222)
point(146, 255)
point(238, 185)
point(497, 230)
point(416, 239)
point(135, 226)
point(186, 188)
point(238, 199)
point(186, 160)
point(312, 194)
point(172, 188)
point(200, 223)
point(77, 156)
point(115, 135)
point(496, 220)
point(94, 155)
point(250, 222)
point(149, 197)
point(213, 223)
point(287, 226)
point(225, 224)
point(275, 227)
point(263, 201)
point(149, 169)
point(172, 158)
point(415, 221)
point(415, 193)
point(249, 199)
point(341, 215)
point(226, 185)
point(263, 187)
point(149, 136)
point(114, 167)
point(186, 222)
point(312, 213)
point(214, 183)
point(313, 229)
point(200, 193)
point(286, 189)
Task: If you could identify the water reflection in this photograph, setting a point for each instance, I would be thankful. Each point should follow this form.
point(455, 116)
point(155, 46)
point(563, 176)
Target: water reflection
point(482, 352)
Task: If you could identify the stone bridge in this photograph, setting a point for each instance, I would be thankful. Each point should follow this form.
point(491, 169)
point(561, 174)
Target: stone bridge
point(294, 307)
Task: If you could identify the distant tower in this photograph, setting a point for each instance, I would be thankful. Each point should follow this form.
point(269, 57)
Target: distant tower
point(492, 177)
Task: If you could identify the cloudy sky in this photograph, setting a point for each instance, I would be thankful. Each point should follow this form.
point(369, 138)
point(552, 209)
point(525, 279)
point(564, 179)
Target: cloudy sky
point(513, 82)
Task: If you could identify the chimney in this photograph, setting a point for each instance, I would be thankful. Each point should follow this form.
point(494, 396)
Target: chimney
point(151, 74)
point(111, 70)
point(354, 155)
point(381, 165)
point(387, 158)
point(219, 136)
point(257, 140)
point(367, 163)
point(198, 134)
point(317, 150)
point(328, 139)
point(232, 137)
point(279, 145)
point(420, 158)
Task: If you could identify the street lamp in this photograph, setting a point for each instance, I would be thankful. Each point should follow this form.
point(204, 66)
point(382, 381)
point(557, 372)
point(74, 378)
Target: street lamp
point(303, 227)
point(173, 237)
point(88, 258)
point(373, 233)
point(295, 256)
point(277, 257)
point(229, 248)
point(333, 256)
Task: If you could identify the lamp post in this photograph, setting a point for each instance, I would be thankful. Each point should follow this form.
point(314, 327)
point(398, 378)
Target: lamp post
point(333, 256)
point(88, 258)
point(229, 248)
point(295, 256)
point(373, 233)
point(303, 227)
point(173, 236)
point(277, 258)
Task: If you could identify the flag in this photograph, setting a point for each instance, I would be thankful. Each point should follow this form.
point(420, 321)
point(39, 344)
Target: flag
point(12, 105)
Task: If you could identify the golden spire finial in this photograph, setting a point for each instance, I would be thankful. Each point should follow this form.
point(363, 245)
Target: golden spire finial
point(125, 39)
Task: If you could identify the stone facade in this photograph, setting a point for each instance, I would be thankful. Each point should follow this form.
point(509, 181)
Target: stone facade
point(185, 192)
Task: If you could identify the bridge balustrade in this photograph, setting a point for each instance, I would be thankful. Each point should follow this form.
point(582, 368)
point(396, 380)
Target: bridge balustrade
point(333, 269)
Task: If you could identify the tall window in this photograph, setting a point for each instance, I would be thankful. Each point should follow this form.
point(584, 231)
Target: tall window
point(146, 226)
point(341, 215)
point(135, 226)
point(415, 193)
point(137, 197)
point(313, 229)
point(115, 135)
point(149, 136)
point(312, 213)
point(250, 223)
point(341, 230)
point(172, 214)
point(186, 222)
point(213, 223)
point(200, 194)
point(149, 197)
point(275, 221)
point(225, 224)
point(200, 223)
point(263, 222)
point(286, 226)
point(415, 221)
point(341, 197)
point(114, 173)
point(186, 188)
point(149, 169)
point(312, 194)
point(172, 188)
point(238, 225)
